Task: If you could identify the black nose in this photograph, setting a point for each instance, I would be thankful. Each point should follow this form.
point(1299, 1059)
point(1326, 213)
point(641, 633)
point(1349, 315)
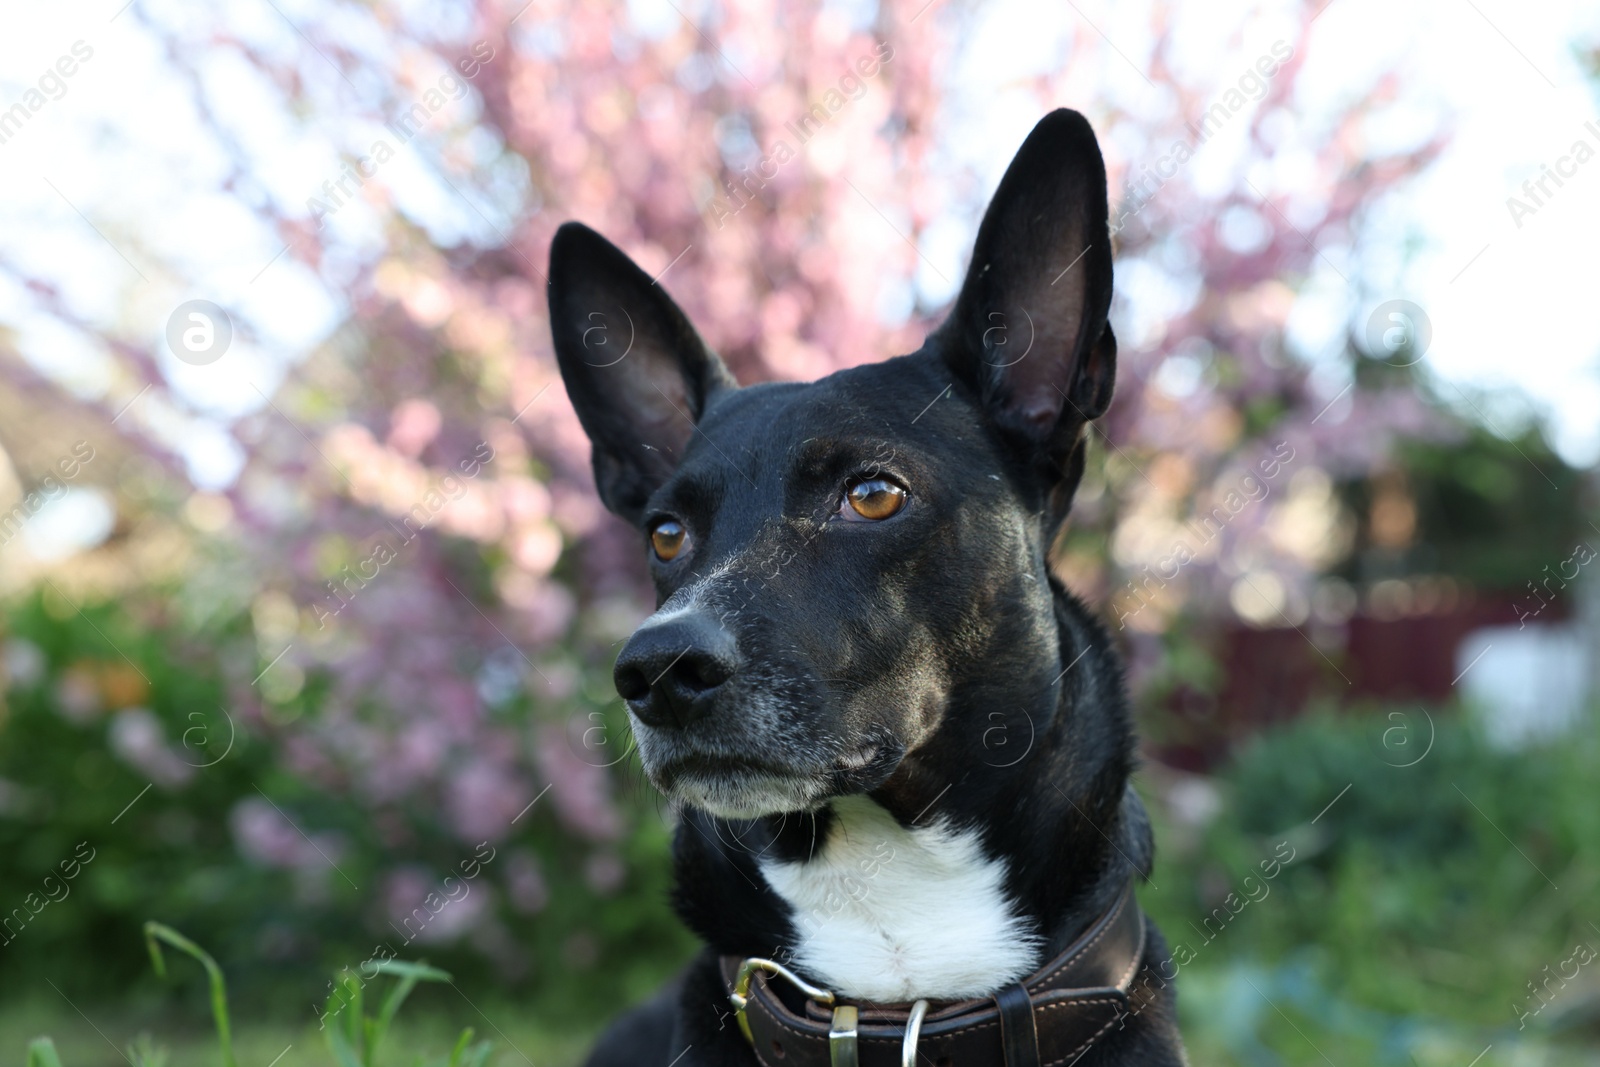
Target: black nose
point(670, 671)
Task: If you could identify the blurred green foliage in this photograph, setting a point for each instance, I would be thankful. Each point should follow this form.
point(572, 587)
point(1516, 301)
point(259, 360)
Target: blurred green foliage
point(1480, 516)
point(1422, 899)
point(168, 852)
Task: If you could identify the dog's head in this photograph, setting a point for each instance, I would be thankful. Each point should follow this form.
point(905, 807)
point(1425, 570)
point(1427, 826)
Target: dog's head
point(840, 564)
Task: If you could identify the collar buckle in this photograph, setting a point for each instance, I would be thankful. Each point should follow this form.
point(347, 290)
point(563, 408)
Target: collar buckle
point(740, 997)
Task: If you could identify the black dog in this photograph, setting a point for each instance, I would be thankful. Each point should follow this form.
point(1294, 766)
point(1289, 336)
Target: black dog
point(900, 747)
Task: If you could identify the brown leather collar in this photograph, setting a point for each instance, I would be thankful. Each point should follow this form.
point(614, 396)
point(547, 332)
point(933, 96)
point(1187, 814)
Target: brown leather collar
point(1049, 1019)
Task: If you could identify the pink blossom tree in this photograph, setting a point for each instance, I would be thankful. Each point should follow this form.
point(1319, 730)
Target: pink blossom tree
point(433, 587)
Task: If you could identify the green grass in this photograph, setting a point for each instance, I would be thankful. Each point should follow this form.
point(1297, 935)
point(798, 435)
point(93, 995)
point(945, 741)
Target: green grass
point(188, 1042)
point(344, 1033)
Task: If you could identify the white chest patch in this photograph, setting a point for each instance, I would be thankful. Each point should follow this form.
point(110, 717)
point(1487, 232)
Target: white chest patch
point(884, 913)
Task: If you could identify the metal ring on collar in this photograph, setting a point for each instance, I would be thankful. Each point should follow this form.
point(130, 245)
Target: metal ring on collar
point(741, 988)
point(908, 1047)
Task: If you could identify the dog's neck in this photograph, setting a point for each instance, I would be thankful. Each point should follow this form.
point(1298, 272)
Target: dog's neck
point(975, 862)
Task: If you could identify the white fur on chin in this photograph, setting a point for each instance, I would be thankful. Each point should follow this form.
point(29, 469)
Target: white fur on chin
point(745, 795)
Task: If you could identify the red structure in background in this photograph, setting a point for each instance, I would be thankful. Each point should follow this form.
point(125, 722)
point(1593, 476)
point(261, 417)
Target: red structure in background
point(1271, 675)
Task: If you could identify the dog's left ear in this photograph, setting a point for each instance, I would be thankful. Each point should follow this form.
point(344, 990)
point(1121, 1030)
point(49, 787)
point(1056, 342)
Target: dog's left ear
point(1028, 333)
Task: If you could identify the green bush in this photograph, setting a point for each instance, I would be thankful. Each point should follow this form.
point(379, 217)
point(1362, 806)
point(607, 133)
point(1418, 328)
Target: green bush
point(168, 852)
point(1422, 900)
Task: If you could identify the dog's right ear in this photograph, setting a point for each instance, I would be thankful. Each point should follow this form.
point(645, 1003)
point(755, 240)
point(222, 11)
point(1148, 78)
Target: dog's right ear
point(637, 372)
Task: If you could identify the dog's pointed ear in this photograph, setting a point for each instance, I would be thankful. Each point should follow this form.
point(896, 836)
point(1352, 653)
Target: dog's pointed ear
point(637, 372)
point(1029, 333)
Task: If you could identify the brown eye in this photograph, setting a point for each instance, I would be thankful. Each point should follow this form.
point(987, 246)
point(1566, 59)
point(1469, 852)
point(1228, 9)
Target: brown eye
point(873, 499)
point(667, 538)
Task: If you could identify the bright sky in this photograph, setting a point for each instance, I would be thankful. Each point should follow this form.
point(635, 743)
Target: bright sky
point(1512, 309)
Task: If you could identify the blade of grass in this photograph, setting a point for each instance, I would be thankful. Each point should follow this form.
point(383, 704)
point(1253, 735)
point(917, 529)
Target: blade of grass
point(344, 1036)
point(461, 1046)
point(42, 1053)
point(343, 1054)
point(355, 1009)
point(409, 974)
point(154, 933)
point(143, 1052)
point(376, 1028)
